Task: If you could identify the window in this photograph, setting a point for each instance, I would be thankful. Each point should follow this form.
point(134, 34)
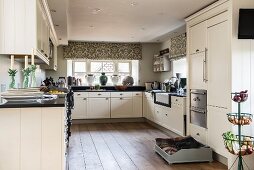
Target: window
point(122, 68)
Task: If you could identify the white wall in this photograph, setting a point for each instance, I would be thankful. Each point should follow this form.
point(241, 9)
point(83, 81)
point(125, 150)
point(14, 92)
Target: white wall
point(4, 67)
point(243, 71)
point(4, 76)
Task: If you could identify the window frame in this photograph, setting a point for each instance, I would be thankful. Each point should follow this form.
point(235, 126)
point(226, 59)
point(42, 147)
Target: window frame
point(116, 70)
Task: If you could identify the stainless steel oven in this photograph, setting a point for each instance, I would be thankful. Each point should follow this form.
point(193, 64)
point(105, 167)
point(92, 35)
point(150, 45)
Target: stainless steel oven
point(198, 107)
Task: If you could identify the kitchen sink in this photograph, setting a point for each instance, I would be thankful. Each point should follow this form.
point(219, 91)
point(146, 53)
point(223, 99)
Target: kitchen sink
point(163, 99)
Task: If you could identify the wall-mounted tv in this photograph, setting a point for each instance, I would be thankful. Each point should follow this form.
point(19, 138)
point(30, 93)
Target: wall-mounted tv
point(246, 24)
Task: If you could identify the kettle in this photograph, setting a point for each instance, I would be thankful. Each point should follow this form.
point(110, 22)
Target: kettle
point(155, 85)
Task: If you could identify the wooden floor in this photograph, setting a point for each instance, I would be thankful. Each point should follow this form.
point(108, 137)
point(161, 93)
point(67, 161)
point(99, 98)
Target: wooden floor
point(126, 146)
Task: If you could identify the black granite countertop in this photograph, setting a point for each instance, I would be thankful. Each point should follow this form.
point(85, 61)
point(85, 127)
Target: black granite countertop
point(106, 89)
point(59, 102)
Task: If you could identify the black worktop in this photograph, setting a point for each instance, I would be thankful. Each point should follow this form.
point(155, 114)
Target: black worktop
point(106, 89)
point(59, 102)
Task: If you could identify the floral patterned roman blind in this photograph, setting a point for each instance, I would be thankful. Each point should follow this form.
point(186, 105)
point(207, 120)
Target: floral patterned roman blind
point(102, 51)
point(178, 46)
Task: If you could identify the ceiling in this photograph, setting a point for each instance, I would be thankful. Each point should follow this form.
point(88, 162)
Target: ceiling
point(120, 20)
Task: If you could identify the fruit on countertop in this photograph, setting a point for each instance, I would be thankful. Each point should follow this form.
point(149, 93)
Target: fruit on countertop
point(56, 92)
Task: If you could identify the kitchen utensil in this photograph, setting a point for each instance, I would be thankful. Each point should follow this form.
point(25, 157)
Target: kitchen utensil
point(155, 85)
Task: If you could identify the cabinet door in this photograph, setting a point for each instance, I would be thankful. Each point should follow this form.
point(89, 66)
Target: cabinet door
point(80, 108)
point(150, 110)
point(52, 138)
point(30, 148)
point(217, 117)
point(10, 139)
point(137, 106)
point(197, 71)
point(197, 38)
point(219, 74)
point(121, 108)
point(98, 108)
point(39, 26)
point(175, 119)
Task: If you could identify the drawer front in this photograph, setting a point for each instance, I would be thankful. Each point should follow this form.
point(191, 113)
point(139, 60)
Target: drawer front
point(178, 100)
point(198, 133)
point(99, 94)
point(137, 94)
point(121, 94)
point(80, 94)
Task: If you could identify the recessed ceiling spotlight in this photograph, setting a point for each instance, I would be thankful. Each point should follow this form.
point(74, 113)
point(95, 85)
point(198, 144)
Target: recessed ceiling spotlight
point(52, 10)
point(134, 3)
point(96, 10)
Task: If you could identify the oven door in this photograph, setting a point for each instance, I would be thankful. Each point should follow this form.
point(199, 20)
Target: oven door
point(198, 117)
point(198, 99)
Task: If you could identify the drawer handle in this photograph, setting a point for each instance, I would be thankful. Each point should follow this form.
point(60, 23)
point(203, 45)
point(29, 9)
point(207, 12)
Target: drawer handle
point(121, 94)
point(166, 114)
point(78, 94)
point(137, 94)
point(121, 98)
point(176, 100)
point(84, 99)
point(99, 94)
point(106, 98)
point(198, 134)
point(197, 50)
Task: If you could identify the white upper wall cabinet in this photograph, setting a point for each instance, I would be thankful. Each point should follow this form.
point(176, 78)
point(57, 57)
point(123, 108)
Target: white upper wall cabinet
point(197, 38)
point(24, 26)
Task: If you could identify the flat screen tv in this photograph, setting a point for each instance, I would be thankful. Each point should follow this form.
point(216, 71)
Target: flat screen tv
point(246, 24)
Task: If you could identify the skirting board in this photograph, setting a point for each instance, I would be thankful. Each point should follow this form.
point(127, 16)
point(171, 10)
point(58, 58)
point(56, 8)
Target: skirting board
point(110, 120)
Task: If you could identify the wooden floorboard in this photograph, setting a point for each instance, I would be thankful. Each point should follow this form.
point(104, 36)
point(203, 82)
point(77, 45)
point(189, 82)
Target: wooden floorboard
point(125, 146)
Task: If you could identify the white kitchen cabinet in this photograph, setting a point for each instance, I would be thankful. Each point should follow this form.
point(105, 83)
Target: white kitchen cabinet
point(52, 153)
point(137, 104)
point(80, 105)
point(197, 38)
point(217, 124)
point(218, 43)
point(198, 71)
point(199, 133)
point(148, 106)
point(30, 126)
point(32, 138)
point(80, 108)
point(10, 139)
point(121, 107)
point(98, 108)
point(25, 26)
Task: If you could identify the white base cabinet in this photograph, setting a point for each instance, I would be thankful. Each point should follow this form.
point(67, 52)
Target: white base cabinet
point(98, 105)
point(98, 108)
point(32, 138)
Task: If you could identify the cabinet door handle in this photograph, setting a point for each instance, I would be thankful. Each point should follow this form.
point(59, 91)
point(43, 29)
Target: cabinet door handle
point(106, 98)
point(84, 99)
point(197, 50)
point(99, 94)
point(121, 98)
point(78, 94)
point(121, 94)
point(205, 66)
point(198, 134)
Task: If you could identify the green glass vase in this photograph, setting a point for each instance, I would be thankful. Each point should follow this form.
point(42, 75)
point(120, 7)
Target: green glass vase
point(103, 79)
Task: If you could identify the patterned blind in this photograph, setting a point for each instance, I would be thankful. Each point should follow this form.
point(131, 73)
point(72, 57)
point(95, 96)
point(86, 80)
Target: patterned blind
point(178, 46)
point(103, 51)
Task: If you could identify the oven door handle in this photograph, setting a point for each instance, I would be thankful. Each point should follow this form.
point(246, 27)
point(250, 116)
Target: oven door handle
point(198, 93)
point(198, 111)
